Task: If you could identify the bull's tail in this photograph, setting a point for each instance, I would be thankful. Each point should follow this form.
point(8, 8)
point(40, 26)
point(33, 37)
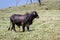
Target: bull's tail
point(9, 27)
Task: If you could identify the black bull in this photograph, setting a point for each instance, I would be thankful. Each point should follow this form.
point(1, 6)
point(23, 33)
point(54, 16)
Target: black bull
point(23, 20)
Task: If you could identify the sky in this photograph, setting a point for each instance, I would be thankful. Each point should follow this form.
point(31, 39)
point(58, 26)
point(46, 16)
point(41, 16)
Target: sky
point(11, 3)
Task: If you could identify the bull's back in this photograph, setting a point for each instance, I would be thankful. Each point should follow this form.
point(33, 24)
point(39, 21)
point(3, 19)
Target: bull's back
point(17, 18)
point(13, 17)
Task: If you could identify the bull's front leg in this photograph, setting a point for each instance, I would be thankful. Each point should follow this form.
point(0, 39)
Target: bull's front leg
point(27, 27)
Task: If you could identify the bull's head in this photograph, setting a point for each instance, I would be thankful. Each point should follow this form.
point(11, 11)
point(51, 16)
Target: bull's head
point(35, 14)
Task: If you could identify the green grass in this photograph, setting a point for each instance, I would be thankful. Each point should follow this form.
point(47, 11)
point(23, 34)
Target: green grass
point(47, 27)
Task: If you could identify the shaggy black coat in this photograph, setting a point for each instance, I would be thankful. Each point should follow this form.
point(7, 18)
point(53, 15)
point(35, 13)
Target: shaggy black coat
point(23, 20)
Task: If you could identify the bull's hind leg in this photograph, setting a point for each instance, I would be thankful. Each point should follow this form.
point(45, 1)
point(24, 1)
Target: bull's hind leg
point(13, 27)
point(19, 27)
point(23, 28)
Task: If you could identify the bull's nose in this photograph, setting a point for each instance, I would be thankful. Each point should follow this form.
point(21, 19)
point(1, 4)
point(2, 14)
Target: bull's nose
point(37, 16)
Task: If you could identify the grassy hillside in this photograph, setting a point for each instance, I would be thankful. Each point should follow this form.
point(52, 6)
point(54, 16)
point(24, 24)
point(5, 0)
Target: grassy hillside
point(48, 4)
point(47, 27)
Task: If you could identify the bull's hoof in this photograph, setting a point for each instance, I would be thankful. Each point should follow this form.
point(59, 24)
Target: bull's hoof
point(23, 31)
point(15, 30)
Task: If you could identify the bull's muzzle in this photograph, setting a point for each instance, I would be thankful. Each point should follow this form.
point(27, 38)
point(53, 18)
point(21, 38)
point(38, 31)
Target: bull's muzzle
point(37, 17)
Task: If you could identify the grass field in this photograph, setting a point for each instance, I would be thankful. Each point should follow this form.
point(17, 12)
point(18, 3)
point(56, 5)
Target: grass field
point(47, 27)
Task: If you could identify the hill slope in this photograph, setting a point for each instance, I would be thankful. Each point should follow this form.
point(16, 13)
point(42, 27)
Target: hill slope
point(46, 5)
point(47, 27)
